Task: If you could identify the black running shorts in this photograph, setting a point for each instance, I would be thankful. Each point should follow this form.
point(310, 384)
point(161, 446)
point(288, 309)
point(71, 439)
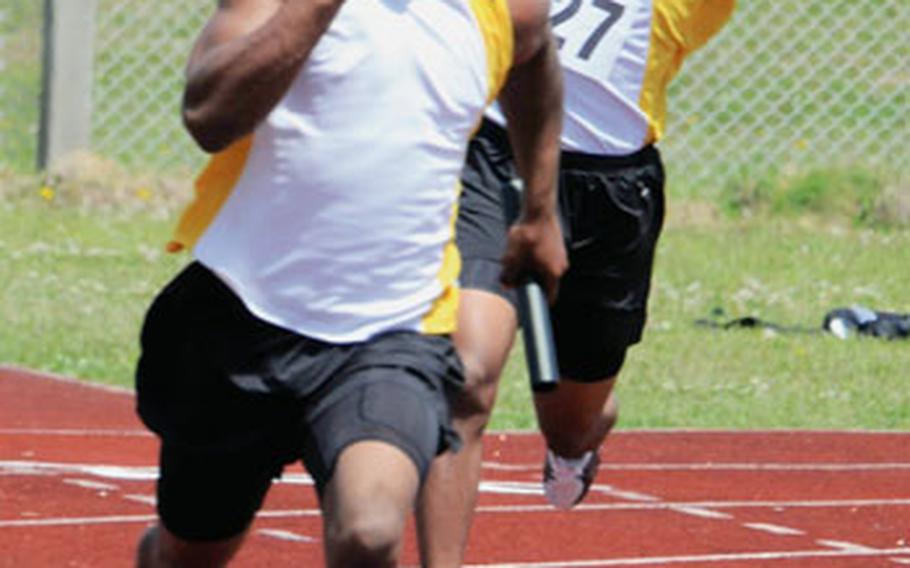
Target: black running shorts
point(612, 210)
point(234, 399)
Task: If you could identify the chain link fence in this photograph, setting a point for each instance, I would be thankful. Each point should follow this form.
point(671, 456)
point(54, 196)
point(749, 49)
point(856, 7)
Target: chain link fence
point(141, 50)
point(20, 82)
point(789, 85)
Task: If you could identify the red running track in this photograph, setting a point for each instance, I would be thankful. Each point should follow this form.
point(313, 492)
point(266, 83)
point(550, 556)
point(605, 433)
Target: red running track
point(77, 475)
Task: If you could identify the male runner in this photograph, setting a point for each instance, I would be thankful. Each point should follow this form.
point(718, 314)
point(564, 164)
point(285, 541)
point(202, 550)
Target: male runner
point(314, 321)
point(618, 57)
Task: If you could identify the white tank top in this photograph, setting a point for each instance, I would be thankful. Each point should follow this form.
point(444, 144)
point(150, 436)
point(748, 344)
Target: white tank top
point(336, 217)
point(618, 58)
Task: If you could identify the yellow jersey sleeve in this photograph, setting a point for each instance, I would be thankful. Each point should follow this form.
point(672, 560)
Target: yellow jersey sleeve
point(495, 23)
point(213, 186)
point(697, 21)
point(680, 27)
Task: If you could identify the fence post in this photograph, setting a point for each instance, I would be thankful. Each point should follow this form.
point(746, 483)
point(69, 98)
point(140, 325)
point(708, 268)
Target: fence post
point(66, 98)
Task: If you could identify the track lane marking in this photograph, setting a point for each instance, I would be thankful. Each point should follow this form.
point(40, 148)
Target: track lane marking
point(841, 545)
point(143, 473)
point(499, 487)
point(144, 499)
point(89, 484)
point(68, 521)
point(774, 529)
point(281, 534)
point(701, 512)
point(594, 507)
point(703, 558)
point(127, 473)
point(79, 432)
point(717, 466)
point(507, 509)
point(623, 494)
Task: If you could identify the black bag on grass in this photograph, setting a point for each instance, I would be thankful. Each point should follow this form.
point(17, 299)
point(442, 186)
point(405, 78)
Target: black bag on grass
point(860, 320)
point(841, 322)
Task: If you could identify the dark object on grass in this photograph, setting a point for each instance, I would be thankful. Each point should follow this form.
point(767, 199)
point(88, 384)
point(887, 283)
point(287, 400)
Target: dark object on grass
point(860, 320)
point(841, 322)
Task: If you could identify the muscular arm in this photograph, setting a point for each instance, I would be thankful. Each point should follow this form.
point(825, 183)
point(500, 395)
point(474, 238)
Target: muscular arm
point(245, 60)
point(532, 103)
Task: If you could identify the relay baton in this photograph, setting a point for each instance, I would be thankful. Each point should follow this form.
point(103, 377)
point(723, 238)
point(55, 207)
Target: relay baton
point(533, 311)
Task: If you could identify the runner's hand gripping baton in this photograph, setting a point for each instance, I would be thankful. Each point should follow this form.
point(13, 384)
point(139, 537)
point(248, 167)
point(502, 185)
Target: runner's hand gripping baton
point(533, 310)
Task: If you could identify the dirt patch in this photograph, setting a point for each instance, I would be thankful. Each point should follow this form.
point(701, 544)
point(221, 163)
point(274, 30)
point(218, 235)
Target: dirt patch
point(692, 214)
point(89, 182)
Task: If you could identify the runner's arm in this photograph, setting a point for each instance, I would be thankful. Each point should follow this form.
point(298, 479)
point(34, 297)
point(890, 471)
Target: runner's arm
point(532, 102)
point(244, 61)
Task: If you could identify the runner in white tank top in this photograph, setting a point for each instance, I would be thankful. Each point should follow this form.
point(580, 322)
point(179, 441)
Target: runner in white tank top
point(618, 58)
point(325, 267)
point(346, 252)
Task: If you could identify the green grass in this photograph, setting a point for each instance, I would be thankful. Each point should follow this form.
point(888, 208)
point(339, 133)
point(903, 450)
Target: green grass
point(75, 280)
point(866, 198)
point(81, 267)
point(20, 82)
point(792, 86)
point(687, 376)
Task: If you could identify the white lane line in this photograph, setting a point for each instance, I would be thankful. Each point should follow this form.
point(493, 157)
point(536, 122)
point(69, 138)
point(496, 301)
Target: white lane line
point(904, 561)
point(511, 487)
point(535, 488)
point(144, 499)
point(285, 535)
point(295, 479)
point(86, 432)
point(841, 545)
point(127, 473)
point(594, 507)
point(774, 529)
point(622, 494)
point(704, 558)
point(89, 484)
point(145, 473)
point(496, 509)
point(701, 512)
point(115, 519)
point(59, 522)
point(717, 466)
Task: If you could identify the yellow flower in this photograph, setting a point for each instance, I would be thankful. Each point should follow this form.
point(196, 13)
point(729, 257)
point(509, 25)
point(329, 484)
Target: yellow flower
point(802, 144)
point(144, 193)
point(47, 193)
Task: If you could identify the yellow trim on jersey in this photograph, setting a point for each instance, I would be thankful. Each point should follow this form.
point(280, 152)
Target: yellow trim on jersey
point(495, 23)
point(679, 27)
point(498, 36)
point(443, 315)
point(213, 186)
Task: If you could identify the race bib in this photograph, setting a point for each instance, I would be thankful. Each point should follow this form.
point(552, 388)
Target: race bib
point(591, 33)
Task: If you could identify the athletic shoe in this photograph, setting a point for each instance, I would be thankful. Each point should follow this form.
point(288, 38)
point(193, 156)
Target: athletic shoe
point(565, 481)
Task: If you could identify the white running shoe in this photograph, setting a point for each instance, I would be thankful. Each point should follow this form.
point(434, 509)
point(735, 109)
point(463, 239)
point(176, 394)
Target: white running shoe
point(566, 481)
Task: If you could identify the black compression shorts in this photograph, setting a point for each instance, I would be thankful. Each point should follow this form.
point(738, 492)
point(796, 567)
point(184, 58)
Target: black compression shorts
point(613, 211)
point(234, 399)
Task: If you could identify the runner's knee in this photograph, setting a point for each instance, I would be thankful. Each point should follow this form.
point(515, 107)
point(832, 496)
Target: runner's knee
point(611, 411)
point(475, 404)
point(369, 538)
